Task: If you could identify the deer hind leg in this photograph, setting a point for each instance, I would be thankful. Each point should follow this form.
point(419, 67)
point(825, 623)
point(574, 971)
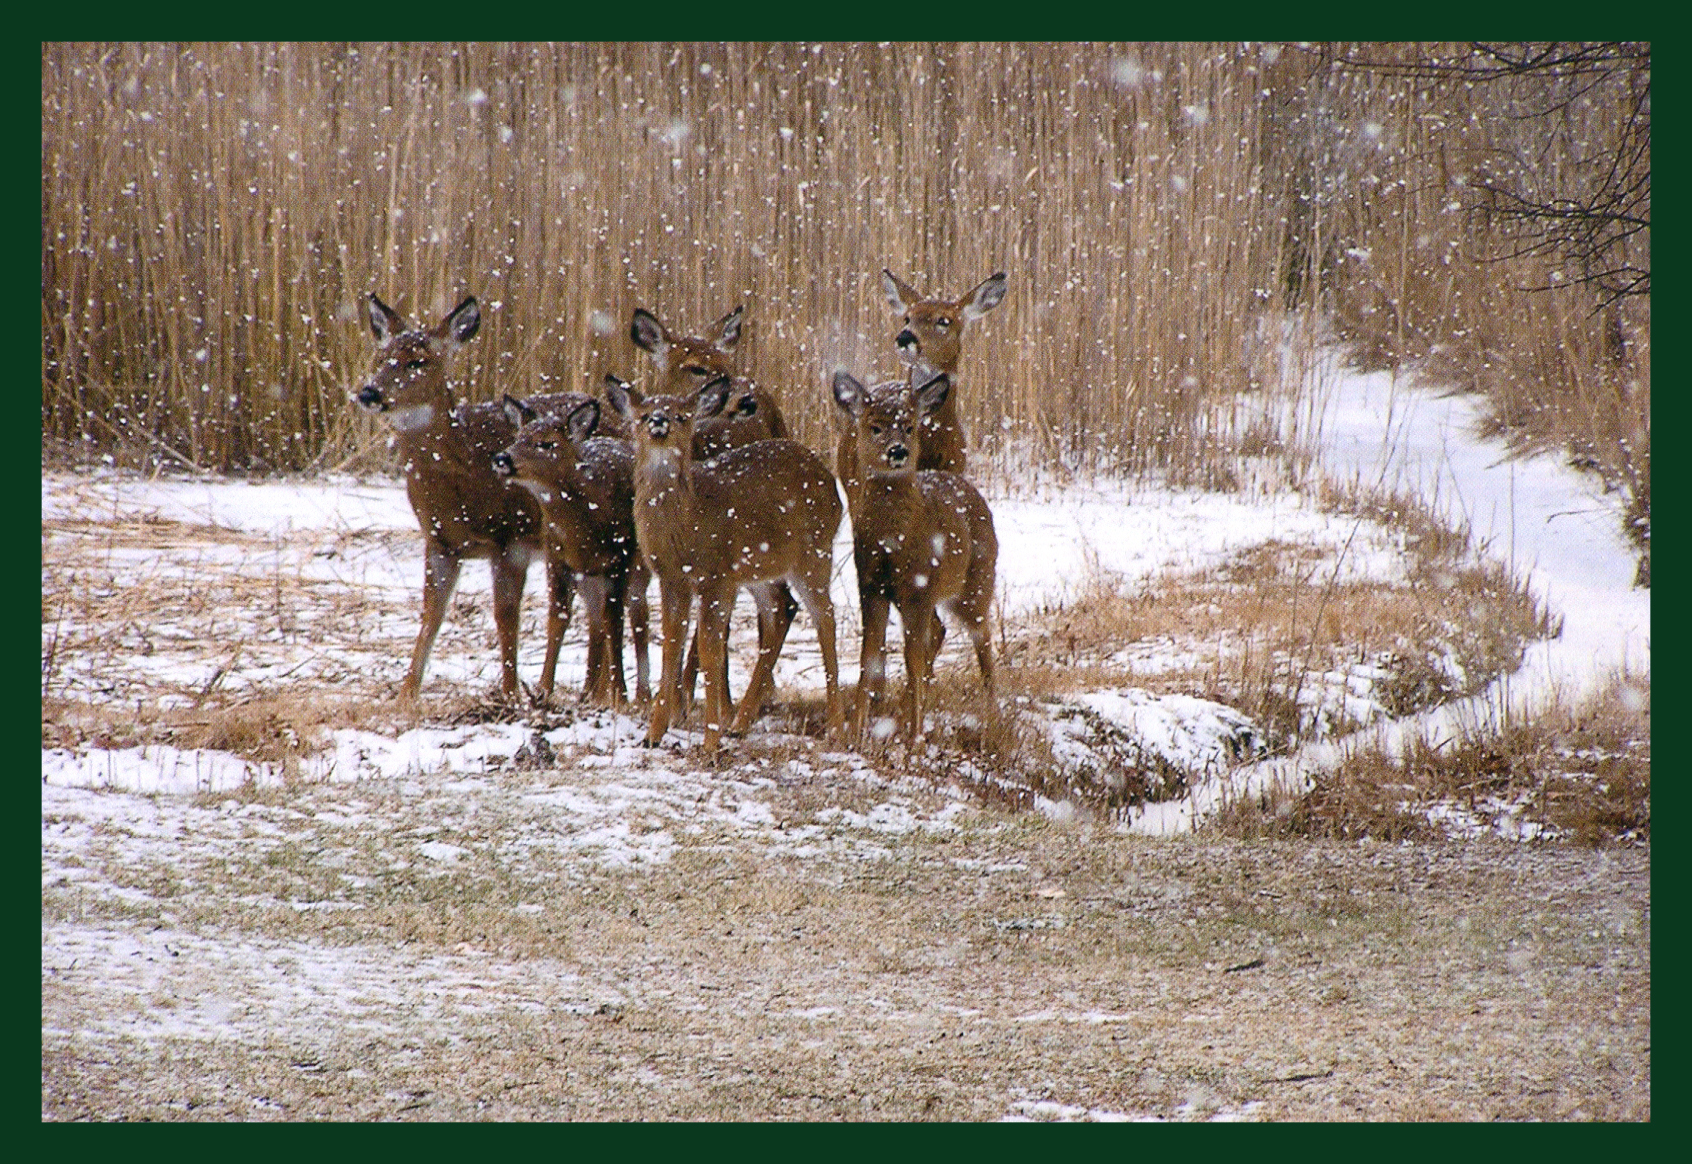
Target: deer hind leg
point(510, 569)
point(775, 616)
point(561, 586)
point(604, 622)
point(440, 578)
point(813, 592)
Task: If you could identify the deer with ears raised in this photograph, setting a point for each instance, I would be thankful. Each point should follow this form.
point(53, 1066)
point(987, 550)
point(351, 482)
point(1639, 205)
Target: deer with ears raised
point(585, 486)
point(921, 540)
point(463, 509)
point(684, 364)
point(930, 340)
point(752, 516)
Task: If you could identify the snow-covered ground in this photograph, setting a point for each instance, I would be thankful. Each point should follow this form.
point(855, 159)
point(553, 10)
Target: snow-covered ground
point(1539, 516)
point(314, 584)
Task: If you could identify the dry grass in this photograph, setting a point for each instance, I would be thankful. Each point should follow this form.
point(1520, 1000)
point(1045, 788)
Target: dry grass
point(213, 214)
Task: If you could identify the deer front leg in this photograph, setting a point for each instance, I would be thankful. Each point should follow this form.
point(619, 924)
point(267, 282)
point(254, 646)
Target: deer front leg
point(440, 577)
point(676, 598)
point(639, 578)
point(561, 585)
point(715, 606)
point(872, 661)
point(918, 624)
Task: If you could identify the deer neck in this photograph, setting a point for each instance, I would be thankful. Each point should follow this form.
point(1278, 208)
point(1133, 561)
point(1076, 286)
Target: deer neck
point(891, 500)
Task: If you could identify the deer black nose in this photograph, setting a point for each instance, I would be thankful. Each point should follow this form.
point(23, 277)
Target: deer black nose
point(504, 465)
point(371, 397)
point(658, 426)
point(906, 339)
point(896, 456)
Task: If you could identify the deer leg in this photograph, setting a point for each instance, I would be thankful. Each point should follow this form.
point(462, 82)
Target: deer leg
point(510, 568)
point(715, 606)
point(813, 591)
point(872, 661)
point(918, 631)
point(639, 577)
point(676, 598)
point(775, 615)
point(596, 598)
point(440, 577)
point(616, 590)
point(561, 585)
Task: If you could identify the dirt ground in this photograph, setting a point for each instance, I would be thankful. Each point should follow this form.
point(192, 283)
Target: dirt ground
point(811, 943)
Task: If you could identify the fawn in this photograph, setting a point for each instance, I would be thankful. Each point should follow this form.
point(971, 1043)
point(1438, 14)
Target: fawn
point(684, 364)
point(752, 516)
point(921, 540)
point(585, 486)
point(463, 509)
point(930, 340)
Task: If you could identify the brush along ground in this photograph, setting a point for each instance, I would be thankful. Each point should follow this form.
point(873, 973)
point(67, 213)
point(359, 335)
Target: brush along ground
point(796, 939)
point(798, 933)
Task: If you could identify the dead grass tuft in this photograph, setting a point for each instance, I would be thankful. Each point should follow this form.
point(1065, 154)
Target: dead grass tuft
point(1582, 775)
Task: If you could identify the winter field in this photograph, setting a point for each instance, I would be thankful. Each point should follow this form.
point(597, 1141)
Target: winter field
point(269, 893)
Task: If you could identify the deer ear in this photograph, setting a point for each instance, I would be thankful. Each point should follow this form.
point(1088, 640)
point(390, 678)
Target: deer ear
point(900, 295)
point(621, 394)
point(933, 393)
point(728, 329)
point(985, 297)
point(647, 333)
point(583, 419)
point(518, 412)
point(848, 393)
point(384, 320)
point(712, 397)
point(466, 319)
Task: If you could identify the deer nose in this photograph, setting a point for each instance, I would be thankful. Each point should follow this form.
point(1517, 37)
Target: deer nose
point(658, 426)
point(896, 456)
point(504, 465)
point(906, 339)
point(370, 397)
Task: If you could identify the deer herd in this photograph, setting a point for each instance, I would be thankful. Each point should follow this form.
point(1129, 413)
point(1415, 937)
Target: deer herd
point(696, 480)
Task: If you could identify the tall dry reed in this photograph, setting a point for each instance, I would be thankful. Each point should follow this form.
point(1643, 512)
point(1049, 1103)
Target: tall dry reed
point(213, 214)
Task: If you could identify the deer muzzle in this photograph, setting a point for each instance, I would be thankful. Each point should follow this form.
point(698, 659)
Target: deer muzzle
point(896, 456)
point(370, 397)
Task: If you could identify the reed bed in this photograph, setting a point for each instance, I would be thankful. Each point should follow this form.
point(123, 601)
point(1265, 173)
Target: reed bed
point(213, 214)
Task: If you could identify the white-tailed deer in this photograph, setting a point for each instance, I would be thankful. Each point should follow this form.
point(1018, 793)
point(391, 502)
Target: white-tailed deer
point(753, 516)
point(920, 540)
point(684, 364)
point(463, 509)
point(930, 340)
point(585, 486)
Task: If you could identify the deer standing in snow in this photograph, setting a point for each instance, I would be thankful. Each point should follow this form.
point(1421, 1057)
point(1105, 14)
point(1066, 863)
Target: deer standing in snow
point(585, 486)
point(921, 540)
point(753, 516)
point(463, 509)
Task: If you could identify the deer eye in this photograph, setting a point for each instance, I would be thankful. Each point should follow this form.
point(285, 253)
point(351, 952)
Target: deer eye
point(695, 370)
point(942, 322)
point(546, 446)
